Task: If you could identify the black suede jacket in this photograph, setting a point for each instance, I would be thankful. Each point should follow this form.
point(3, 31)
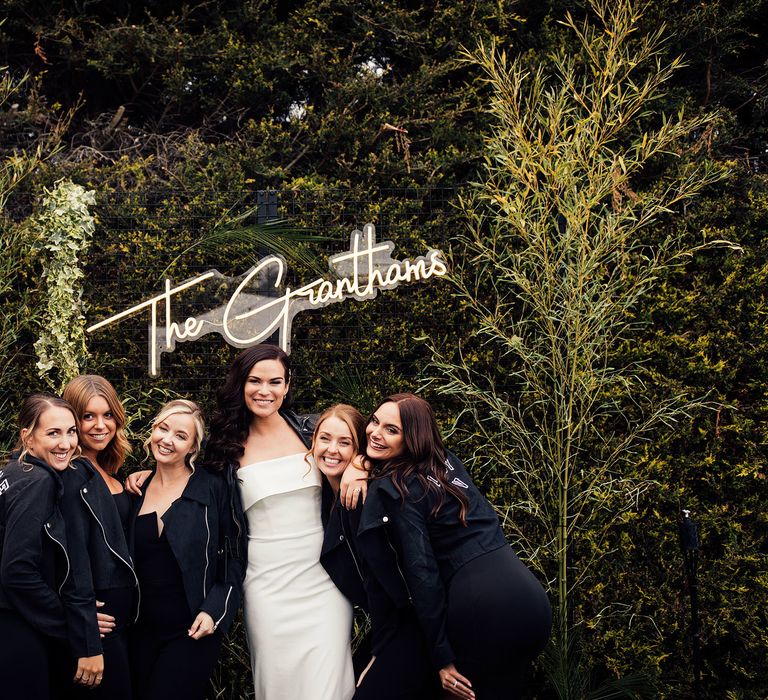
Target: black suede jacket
point(203, 535)
point(427, 550)
point(92, 519)
point(36, 564)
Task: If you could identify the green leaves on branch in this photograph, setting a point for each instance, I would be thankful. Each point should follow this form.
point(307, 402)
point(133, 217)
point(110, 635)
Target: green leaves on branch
point(63, 231)
point(565, 241)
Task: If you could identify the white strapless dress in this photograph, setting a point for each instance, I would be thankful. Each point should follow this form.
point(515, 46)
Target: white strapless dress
point(298, 623)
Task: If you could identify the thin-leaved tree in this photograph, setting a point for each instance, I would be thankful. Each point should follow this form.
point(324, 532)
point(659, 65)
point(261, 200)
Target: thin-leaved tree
point(566, 236)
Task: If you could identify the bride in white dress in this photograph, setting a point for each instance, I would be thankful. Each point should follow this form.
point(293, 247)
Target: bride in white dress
point(298, 623)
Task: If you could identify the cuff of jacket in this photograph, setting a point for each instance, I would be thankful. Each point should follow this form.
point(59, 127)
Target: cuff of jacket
point(85, 647)
point(222, 605)
point(442, 655)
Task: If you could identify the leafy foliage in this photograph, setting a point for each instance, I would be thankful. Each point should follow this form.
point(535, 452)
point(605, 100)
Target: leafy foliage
point(560, 255)
point(362, 112)
point(64, 228)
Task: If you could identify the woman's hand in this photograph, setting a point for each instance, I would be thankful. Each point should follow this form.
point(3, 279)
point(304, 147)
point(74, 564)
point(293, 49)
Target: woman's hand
point(202, 626)
point(455, 683)
point(365, 670)
point(136, 480)
point(90, 670)
point(106, 622)
point(354, 483)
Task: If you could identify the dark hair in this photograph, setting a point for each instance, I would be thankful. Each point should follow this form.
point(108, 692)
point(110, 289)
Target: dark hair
point(423, 454)
point(78, 392)
point(32, 408)
point(231, 418)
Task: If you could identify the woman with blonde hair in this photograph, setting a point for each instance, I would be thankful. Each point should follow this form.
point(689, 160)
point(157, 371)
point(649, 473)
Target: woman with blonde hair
point(182, 532)
point(97, 517)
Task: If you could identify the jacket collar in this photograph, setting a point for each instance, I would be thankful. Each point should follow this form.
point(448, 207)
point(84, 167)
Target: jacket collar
point(303, 426)
point(382, 493)
point(85, 464)
point(55, 475)
point(195, 490)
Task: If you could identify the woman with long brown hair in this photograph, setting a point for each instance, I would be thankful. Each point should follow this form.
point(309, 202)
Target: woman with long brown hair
point(98, 518)
point(296, 620)
point(484, 614)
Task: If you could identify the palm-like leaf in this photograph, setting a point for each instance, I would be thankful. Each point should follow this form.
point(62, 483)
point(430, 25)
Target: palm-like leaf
point(276, 236)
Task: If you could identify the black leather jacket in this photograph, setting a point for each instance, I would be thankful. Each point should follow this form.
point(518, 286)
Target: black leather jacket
point(92, 519)
point(428, 550)
point(350, 559)
point(340, 556)
point(36, 564)
point(203, 535)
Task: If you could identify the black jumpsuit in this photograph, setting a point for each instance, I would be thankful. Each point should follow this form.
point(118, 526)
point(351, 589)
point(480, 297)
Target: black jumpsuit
point(166, 661)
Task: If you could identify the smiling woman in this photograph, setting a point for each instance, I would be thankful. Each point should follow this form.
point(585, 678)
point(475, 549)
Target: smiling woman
point(45, 617)
point(102, 424)
point(482, 613)
point(96, 510)
point(181, 531)
point(297, 621)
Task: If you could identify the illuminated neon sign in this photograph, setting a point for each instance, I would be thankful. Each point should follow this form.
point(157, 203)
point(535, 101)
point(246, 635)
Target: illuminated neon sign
point(255, 311)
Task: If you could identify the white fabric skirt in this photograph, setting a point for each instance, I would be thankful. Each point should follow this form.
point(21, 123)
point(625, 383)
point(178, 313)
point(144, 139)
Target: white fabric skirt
point(297, 621)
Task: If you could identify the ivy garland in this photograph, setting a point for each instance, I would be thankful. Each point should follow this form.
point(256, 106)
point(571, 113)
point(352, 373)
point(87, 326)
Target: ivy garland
point(63, 232)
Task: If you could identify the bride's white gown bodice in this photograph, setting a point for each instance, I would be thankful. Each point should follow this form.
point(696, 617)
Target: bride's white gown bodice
point(298, 623)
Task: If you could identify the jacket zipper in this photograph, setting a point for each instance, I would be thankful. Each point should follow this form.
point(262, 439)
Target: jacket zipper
point(232, 496)
point(66, 556)
point(226, 604)
point(109, 547)
point(207, 542)
point(349, 546)
point(397, 562)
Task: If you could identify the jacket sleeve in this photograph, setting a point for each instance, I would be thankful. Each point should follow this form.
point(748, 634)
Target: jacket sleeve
point(223, 599)
point(422, 575)
point(22, 560)
point(77, 594)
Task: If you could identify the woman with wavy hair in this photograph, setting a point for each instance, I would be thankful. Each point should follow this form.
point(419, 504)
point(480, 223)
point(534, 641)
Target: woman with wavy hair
point(102, 425)
point(393, 659)
point(297, 621)
point(483, 613)
point(98, 518)
point(181, 532)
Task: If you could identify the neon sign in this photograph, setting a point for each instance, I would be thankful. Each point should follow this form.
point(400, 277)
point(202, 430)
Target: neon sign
point(254, 310)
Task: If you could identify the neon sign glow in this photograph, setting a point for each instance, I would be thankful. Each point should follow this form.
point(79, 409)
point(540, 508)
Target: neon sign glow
point(249, 317)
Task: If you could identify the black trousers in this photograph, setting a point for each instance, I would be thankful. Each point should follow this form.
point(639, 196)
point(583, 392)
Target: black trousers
point(27, 662)
point(499, 619)
point(116, 683)
point(172, 667)
point(402, 669)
